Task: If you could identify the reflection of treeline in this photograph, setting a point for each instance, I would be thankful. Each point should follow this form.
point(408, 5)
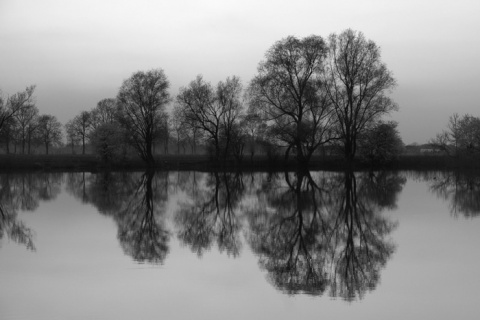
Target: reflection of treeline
point(136, 201)
point(310, 232)
point(460, 188)
point(24, 192)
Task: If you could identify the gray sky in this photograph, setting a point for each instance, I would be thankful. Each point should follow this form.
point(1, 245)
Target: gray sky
point(78, 52)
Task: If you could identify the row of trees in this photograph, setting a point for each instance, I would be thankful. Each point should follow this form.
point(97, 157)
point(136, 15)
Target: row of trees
point(22, 124)
point(307, 93)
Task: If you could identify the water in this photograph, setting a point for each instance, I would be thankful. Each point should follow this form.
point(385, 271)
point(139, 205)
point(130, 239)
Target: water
point(185, 245)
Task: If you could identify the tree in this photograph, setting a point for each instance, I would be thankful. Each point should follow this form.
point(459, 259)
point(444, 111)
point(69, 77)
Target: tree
point(212, 111)
point(72, 137)
point(108, 142)
point(356, 84)
point(27, 120)
point(81, 127)
point(10, 106)
point(49, 131)
point(142, 99)
point(104, 112)
point(290, 93)
point(462, 136)
point(381, 143)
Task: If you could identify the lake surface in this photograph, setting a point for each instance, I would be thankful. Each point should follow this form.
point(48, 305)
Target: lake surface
point(184, 245)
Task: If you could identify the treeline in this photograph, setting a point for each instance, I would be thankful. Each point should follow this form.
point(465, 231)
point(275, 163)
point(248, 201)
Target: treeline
point(309, 94)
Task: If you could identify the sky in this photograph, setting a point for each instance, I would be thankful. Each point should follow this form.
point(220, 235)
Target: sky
point(78, 52)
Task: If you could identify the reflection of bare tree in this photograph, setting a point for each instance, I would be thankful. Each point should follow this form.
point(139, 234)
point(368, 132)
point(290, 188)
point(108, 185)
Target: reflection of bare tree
point(140, 234)
point(461, 189)
point(136, 202)
point(317, 234)
point(210, 215)
point(23, 192)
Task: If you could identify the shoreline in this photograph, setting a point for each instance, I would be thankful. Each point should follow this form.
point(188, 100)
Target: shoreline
point(78, 162)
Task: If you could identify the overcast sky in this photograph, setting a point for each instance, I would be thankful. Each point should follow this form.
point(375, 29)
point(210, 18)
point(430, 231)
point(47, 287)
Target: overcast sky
point(78, 52)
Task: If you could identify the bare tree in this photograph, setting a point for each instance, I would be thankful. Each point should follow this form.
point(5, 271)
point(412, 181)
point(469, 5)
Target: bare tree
point(357, 83)
point(104, 112)
point(290, 92)
point(49, 131)
point(72, 137)
point(212, 111)
point(27, 119)
point(142, 99)
point(11, 105)
point(81, 126)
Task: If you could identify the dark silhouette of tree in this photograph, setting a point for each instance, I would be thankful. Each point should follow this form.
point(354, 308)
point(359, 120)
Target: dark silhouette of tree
point(289, 91)
point(142, 99)
point(80, 127)
point(49, 131)
point(210, 216)
point(212, 111)
point(27, 121)
point(356, 83)
point(381, 143)
point(10, 106)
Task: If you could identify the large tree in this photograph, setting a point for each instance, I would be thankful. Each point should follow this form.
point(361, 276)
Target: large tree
point(27, 121)
point(290, 93)
point(142, 99)
point(357, 84)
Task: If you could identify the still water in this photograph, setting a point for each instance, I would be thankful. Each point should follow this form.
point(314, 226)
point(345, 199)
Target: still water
point(183, 245)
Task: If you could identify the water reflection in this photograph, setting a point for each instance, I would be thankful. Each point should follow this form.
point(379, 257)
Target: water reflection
point(24, 192)
point(136, 202)
point(314, 234)
point(210, 213)
point(460, 188)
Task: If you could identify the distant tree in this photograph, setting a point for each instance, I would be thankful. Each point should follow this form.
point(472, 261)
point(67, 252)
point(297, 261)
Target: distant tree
point(81, 127)
point(49, 131)
point(27, 120)
point(461, 137)
point(142, 100)
point(104, 112)
point(357, 82)
point(290, 93)
point(13, 104)
point(381, 143)
point(8, 133)
point(72, 137)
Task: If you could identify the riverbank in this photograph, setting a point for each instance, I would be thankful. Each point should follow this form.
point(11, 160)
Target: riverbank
point(69, 162)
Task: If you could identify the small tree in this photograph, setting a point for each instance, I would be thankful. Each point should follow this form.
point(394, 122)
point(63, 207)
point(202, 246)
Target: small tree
point(49, 131)
point(108, 141)
point(381, 143)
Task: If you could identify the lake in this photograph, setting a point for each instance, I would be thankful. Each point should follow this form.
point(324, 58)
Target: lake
point(183, 245)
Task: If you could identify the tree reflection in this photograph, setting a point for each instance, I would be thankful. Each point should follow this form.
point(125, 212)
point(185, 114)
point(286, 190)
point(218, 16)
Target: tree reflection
point(24, 192)
point(317, 234)
point(136, 202)
point(461, 189)
point(210, 215)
